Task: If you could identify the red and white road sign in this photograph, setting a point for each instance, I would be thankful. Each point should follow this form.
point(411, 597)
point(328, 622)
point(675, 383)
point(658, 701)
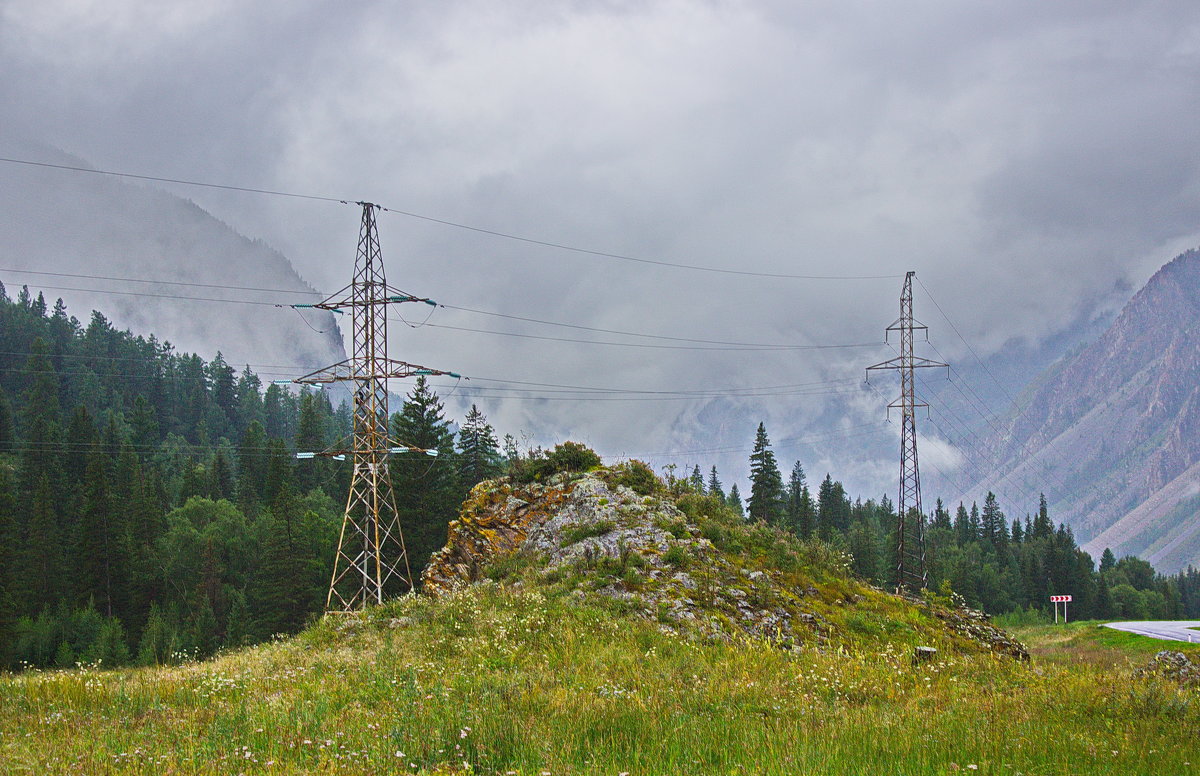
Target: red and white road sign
point(1060, 598)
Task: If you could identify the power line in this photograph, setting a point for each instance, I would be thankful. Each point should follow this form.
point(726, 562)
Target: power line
point(179, 181)
point(160, 282)
point(454, 224)
point(723, 344)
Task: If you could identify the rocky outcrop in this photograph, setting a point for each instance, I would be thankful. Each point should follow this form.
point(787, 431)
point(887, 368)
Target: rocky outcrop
point(974, 625)
point(1174, 666)
point(647, 557)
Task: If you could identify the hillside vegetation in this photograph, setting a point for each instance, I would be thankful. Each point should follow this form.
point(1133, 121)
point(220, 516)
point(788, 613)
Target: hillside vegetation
point(539, 668)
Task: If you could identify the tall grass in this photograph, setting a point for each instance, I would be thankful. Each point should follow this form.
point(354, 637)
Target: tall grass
point(494, 680)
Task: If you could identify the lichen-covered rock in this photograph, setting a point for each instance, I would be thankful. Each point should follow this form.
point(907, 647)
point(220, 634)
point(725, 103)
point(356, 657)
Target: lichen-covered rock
point(974, 624)
point(1175, 666)
point(641, 554)
point(495, 521)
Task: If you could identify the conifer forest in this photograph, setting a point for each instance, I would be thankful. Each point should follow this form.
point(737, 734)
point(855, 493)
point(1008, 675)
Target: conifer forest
point(152, 508)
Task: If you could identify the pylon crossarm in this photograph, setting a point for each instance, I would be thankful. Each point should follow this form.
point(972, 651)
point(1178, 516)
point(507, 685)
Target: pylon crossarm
point(340, 455)
point(385, 369)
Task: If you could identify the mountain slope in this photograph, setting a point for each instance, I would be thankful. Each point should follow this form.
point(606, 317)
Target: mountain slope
point(63, 222)
point(1113, 431)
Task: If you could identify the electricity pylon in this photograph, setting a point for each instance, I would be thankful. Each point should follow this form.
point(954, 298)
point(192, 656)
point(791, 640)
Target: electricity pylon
point(910, 518)
point(371, 556)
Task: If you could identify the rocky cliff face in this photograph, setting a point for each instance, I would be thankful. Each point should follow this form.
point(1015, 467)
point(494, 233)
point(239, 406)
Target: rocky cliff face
point(678, 561)
point(1112, 432)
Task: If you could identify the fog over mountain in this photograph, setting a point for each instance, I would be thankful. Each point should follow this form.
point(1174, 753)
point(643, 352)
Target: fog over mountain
point(1033, 162)
point(1113, 429)
point(67, 235)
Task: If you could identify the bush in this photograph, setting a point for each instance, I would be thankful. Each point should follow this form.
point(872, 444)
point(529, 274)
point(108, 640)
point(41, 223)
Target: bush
point(635, 475)
point(573, 457)
point(567, 457)
point(578, 533)
point(697, 506)
point(677, 556)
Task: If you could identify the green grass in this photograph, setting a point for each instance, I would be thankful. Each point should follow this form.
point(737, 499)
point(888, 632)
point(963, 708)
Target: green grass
point(529, 681)
point(1087, 641)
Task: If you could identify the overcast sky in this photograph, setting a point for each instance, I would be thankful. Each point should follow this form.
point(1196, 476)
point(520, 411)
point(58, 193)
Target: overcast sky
point(1034, 162)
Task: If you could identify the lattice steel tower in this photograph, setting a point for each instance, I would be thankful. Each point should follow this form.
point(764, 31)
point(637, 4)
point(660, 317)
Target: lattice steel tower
point(910, 518)
point(371, 557)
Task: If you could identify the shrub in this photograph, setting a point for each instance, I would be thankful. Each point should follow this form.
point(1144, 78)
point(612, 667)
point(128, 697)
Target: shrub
point(677, 556)
point(573, 457)
point(578, 533)
point(567, 457)
point(697, 506)
point(635, 475)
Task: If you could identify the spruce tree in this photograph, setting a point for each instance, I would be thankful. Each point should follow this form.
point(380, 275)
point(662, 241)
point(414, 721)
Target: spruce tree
point(42, 563)
point(994, 525)
point(100, 562)
point(766, 502)
point(734, 500)
point(714, 484)
point(799, 503)
point(428, 490)
point(941, 516)
point(287, 588)
point(696, 481)
point(478, 451)
point(1107, 560)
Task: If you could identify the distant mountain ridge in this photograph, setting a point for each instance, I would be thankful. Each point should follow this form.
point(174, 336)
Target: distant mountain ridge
point(1112, 430)
point(72, 223)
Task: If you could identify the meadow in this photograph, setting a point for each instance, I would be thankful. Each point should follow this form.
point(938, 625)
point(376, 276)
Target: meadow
point(524, 681)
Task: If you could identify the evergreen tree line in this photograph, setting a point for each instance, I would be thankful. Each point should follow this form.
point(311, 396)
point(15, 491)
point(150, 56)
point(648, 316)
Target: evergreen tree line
point(996, 564)
point(151, 505)
point(152, 509)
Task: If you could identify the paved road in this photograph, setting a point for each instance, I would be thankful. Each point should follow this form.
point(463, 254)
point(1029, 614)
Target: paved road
point(1170, 630)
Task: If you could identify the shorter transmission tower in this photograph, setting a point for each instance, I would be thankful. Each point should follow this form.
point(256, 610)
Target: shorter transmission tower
point(910, 519)
point(371, 558)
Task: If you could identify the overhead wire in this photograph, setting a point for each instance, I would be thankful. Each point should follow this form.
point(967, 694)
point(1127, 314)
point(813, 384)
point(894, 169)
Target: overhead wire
point(987, 370)
point(724, 344)
point(446, 222)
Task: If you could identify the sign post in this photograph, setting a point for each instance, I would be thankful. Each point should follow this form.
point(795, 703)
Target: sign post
point(1060, 599)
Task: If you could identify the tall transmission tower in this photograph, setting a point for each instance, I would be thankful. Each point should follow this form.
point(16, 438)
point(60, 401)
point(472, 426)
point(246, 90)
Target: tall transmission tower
point(910, 518)
point(371, 557)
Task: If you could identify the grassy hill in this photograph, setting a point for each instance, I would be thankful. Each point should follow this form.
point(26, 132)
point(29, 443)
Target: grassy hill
point(541, 670)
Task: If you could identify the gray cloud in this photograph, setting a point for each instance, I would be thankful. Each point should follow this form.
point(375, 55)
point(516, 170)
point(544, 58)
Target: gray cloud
point(1027, 159)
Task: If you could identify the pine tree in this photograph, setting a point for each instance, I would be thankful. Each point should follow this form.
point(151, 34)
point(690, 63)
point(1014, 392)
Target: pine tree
point(42, 564)
point(478, 451)
point(428, 490)
point(714, 484)
point(963, 525)
point(696, 481)
point(143, 422)
point(1042, 527)
point(974, 523)
point(766, 501)
point(252, 468)
point(220, 477)
point(287, 589)
point(100, 564)
point(941, 517)
point(274, 412)
point(994, 525)
point(1018, 533)
point(833, 509)
point(799, 503)
point(734, 500)
point(311, 436)
point(1107, 560)
point(8, 543)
